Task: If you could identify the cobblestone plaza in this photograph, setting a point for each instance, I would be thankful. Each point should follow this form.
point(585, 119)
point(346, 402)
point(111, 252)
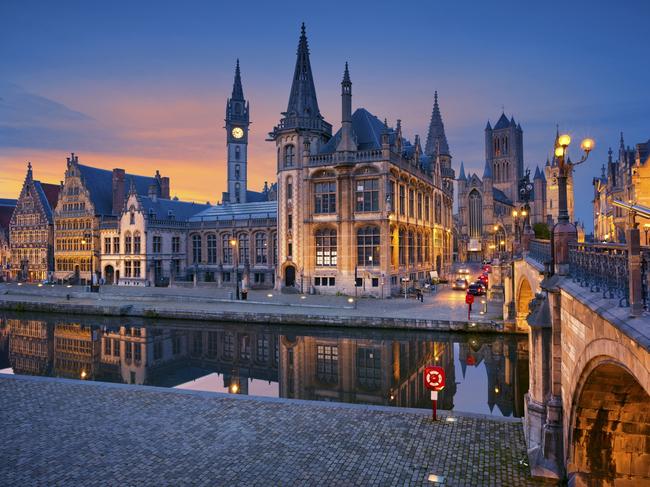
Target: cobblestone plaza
point(61, 432)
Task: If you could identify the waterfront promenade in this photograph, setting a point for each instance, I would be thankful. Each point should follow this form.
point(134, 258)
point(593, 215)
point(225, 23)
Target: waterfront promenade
point(444, 309)
point(64, 432)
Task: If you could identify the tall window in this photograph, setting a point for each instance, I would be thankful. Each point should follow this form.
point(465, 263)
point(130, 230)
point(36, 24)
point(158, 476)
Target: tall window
point(368, 246)
point(212, 249)
point(325, 197)
point(136, 243)
point(475, 214)
point(368, 195)
point(127, 268)
point(289, 155)
point(116, 245)
point(136, 268)
point(369, 368)
point(226, 249)
point(127, 243)
point(418, 245)
point(289, 188)
point(237, 192)
point(402, 247)
point(196, 249)
point(132, 218)
point(244, 249)
point(327, 363)
point(237, 169)
point(326, 247)
point(107, 245)
point(176, 245)
point(260, 248)
point(274, 248)
point(411, 245)
point(438, 209)
point(402, 200)
point(157, 244)
point(411, 203)
point(427, 248)
point(419, 205)
point(427, 207)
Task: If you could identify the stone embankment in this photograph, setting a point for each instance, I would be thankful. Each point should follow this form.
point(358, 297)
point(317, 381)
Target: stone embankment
point(396, 314)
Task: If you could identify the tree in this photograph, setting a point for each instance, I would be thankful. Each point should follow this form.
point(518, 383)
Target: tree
point(542, 231)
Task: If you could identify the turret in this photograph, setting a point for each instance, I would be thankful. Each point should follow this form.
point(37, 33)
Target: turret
point(347, 143)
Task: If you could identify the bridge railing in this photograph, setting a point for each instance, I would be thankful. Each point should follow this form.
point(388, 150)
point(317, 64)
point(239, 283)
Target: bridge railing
point(540, 250)
point(602, 268)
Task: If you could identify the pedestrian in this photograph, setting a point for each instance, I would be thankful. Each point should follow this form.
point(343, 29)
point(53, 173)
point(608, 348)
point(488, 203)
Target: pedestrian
point(419, 295)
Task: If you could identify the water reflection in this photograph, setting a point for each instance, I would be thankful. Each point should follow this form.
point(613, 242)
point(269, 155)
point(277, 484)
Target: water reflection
point(358, 366)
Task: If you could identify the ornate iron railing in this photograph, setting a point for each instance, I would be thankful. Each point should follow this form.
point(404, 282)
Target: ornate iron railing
point(602, 268)
point(540, 250)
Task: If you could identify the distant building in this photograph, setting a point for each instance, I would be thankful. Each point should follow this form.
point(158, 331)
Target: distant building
point(32, 230)
point(91, 197)
point(7, 207)
point(625, 179)
point(147, 243)
point(552, 190)
point(363, 209)
point(31, 347)
point(76, 351)
point(240, 233)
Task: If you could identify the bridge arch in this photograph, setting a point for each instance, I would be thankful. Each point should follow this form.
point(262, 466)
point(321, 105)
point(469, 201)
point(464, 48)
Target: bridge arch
point(524, 296)
point(609, 421)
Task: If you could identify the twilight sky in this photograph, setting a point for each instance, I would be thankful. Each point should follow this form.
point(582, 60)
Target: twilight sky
point(143, 85)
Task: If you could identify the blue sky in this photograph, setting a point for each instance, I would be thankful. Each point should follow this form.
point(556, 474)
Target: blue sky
point(142, 85)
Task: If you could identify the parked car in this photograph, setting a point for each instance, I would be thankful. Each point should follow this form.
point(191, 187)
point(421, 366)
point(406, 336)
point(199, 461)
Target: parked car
point(487, 268)
point(460, 284)
point(476, 289)
point(483, 279)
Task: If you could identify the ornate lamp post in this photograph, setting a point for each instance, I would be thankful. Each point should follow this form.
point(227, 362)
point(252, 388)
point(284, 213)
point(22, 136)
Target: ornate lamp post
point(564, 232)
point(233, 246)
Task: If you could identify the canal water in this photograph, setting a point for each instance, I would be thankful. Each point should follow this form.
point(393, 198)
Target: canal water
point(486, 373)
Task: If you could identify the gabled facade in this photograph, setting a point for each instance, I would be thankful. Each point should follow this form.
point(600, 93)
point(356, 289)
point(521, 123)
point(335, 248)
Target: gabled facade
point(31, 230)
point(7, 207)
point(361, 211)
point(147, 244)
point(90, 199)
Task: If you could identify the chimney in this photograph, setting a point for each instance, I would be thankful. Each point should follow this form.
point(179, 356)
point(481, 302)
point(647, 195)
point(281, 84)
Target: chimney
point(153, 192)
point(164, 188)
point(119, 190)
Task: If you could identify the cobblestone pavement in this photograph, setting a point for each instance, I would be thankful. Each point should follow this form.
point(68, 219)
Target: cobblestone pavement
point(62, 432)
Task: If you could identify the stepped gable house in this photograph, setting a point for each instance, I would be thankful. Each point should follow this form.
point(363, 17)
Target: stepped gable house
point(7, 207)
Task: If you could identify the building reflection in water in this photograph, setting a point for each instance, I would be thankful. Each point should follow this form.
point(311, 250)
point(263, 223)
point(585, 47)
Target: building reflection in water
point(370, 367)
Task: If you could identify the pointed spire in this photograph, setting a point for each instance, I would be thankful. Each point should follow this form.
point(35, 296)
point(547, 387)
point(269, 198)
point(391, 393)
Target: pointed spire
point(302, 99)
point(29, 171)
point(548, 162)
point(237, 90)
point(461, 176)
point(487, 171)
point(436, 131)
point(346, 74)
point(347, 142)
point(609, 155)
point(538, 174)
point(488, 126)
point(622, 145)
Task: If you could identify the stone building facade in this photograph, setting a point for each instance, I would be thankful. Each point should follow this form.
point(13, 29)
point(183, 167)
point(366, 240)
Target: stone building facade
point(91, 198)
point(625, 179)
point(147, 244)
point(7, 207)
point(363, 209)
point(494, 210)
point(32, 230)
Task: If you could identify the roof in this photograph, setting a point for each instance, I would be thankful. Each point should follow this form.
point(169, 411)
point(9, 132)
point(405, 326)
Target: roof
point(256, 196)
point(501, 197)
point(436, 138)
point(462, 176)
point(487, 171)
point(503, 122)
point(161, 208)
point(99, 183)
point(48, 203)
point(367, 130)
point(302, 98)
point(238, 211)
point(7, 207)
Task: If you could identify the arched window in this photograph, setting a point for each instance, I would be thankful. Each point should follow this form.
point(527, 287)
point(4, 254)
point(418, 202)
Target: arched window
point(136, 243)
point(418, 246)
point(212, 248)
point(475, 214)
point(402, 247)
point(132, 217)
point(289, 188)
point(196, 249)
point(226, 249)
point(237, 192)
point(237, 152)
point(289, 155)
point(244, 249)
point(127, 243)
point(237, 171)
point(326, 247)
point(411, 247)
point(368, 246)
point(260, 248)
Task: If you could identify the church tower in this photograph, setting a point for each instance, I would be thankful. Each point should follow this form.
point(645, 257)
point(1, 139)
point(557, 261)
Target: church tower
point(237, 122)
point(504, 154)
point(302, 131)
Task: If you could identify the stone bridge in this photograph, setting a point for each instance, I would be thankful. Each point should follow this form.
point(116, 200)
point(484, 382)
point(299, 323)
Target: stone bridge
point(588, 405)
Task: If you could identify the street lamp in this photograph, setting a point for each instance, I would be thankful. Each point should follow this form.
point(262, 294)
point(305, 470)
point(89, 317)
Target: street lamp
point(233, 245)
point(565, 169)
point(646, 227)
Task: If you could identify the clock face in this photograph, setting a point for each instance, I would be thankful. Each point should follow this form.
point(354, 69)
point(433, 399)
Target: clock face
point(237, 132)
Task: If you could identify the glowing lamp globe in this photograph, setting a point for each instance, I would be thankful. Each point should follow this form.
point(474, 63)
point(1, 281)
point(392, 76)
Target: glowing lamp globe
point(559, 151)
point(587, 145)
point(564, 140)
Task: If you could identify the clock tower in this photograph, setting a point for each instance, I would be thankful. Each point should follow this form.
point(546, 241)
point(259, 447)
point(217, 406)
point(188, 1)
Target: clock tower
point(237, 122)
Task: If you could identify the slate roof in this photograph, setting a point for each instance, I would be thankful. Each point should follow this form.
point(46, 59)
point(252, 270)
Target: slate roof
point(7, 207)
point(436, 135)
point(256, 196)
point(48, 194)
point(462, 176)
point(100, 184)
point(501, 197)
point(238, 211)
point(180, 210)
point(502, 123)
point(367, 130)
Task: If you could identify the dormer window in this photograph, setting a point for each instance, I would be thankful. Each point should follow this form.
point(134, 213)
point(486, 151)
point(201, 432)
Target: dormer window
point(170, 214)
point(132, 217)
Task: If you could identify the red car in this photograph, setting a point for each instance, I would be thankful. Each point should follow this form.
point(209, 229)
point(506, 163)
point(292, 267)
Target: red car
point(483, 279)
point(476, 289)
point(487, 268)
